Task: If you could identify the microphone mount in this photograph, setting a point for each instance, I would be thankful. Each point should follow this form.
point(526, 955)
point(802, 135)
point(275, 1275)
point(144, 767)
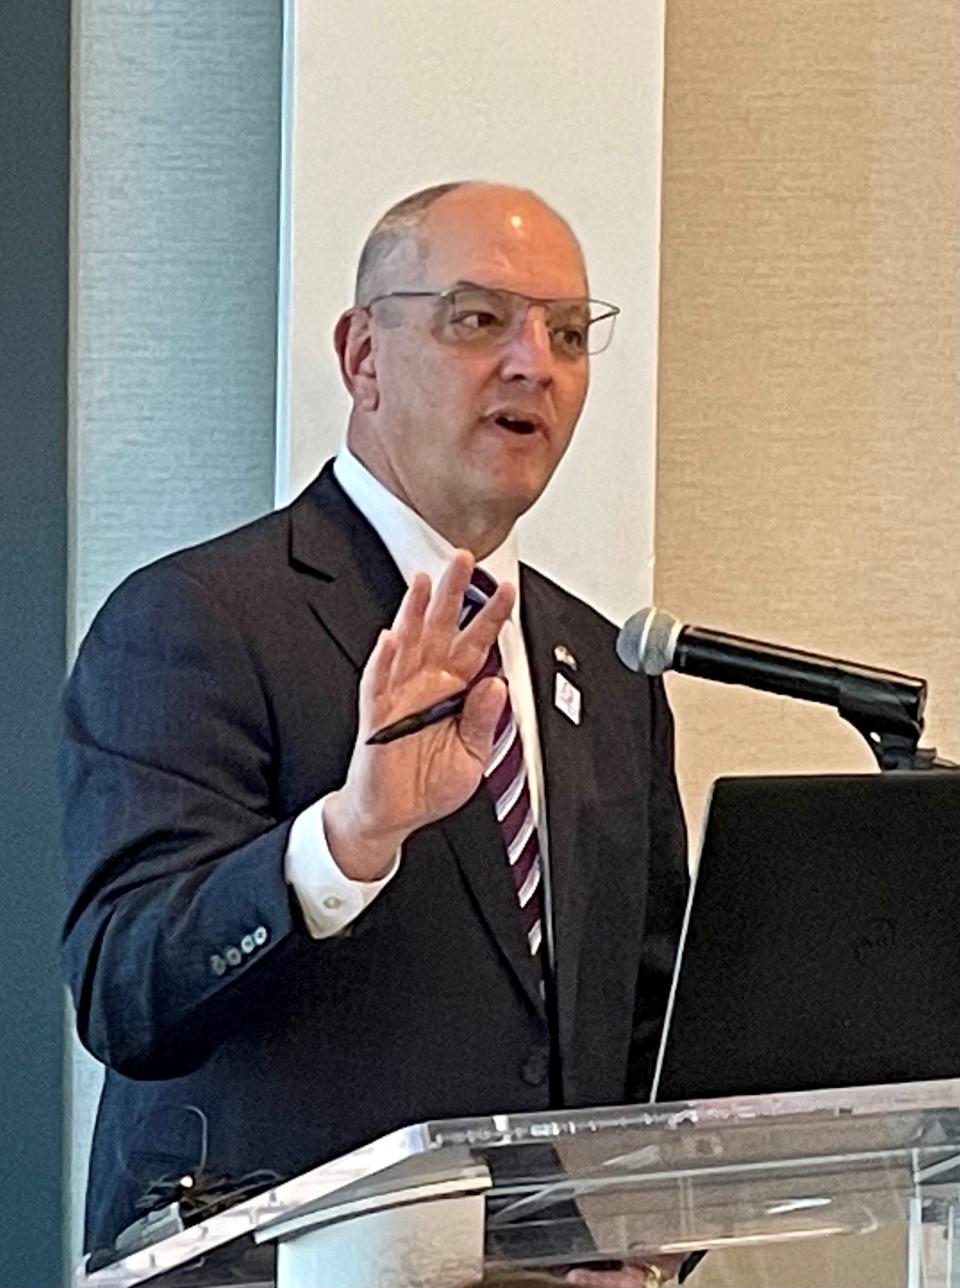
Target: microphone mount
point(894, 743)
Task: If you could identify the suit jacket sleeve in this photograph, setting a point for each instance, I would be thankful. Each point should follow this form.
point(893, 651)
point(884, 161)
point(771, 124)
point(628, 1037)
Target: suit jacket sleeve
point(669, 885)
point(174, 855)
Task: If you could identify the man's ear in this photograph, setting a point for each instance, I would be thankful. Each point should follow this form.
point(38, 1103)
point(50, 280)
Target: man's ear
point(353, 342)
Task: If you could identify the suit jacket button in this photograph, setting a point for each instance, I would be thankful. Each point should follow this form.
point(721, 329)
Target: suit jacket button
point(534, 1067)
point(247, 944)
point(232, 956)
point(260, 936)
point(217, 964)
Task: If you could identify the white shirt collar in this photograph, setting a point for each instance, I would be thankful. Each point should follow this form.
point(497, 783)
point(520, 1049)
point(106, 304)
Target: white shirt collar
point(412, 543)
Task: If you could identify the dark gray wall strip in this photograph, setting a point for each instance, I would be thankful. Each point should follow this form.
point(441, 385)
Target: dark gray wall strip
point(34, 203)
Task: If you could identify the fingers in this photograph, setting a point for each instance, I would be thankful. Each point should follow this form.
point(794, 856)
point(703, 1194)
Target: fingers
point(474, 642)
point(426, 627)
point(408, 622)
point(442, 637)
point(376, 674)
point(446, 605)
point(632, 1274)
point(407, 627)
point(625, 1277)
point(478, 720)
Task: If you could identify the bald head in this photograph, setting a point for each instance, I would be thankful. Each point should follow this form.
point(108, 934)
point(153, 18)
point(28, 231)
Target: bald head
point(397, 248)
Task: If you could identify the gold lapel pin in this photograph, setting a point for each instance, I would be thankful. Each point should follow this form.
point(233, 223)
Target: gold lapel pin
point(563, 655)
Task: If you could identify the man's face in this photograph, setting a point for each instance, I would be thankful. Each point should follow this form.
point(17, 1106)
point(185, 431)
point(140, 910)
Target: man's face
point(470, 434)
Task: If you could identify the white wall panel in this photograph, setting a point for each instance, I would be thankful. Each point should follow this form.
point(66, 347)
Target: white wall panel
point(564, 98)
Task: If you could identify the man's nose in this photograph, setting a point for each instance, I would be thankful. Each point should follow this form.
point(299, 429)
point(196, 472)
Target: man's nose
point(528, 354)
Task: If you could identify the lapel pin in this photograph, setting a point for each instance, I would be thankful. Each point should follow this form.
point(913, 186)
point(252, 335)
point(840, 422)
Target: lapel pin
point(563, 655)
point(567, 698)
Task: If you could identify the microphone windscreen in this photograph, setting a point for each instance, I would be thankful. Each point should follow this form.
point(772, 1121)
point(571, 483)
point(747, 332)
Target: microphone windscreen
point(648, 640)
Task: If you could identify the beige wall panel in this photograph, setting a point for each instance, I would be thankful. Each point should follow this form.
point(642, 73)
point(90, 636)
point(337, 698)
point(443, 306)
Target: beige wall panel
point(808, 485)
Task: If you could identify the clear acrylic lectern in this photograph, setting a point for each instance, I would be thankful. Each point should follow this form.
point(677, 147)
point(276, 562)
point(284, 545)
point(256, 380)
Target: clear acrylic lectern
point(856, 1188)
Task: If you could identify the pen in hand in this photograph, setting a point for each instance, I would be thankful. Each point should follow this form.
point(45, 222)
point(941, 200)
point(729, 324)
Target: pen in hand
point(451, 706)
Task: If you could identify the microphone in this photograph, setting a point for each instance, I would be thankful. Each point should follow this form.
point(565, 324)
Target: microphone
point(875, 701)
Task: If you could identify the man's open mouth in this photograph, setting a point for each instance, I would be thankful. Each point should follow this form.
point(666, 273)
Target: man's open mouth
point(516, 425)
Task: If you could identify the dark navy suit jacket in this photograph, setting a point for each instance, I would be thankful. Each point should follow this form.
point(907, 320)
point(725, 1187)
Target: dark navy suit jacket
point(213, 699)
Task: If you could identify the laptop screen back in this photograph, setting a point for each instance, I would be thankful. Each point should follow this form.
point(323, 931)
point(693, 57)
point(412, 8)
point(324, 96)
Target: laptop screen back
point(822, 946)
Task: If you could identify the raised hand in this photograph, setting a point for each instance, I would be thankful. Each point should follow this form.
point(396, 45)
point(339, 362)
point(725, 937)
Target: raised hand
point(393, 790)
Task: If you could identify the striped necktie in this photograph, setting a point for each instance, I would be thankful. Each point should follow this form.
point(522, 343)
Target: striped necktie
point(506, 779)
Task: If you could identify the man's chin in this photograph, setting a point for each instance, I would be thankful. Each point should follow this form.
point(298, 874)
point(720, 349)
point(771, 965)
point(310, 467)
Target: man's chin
point(512, 499)
point(517, 483)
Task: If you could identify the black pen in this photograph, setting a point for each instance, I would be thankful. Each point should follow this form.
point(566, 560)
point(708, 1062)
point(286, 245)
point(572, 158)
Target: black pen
point(451, 706)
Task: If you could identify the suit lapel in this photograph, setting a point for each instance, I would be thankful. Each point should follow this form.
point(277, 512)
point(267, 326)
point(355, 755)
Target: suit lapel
point(564, 747)
point(354, 589)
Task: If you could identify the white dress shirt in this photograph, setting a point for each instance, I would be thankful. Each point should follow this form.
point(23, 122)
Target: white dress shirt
point(329, 899)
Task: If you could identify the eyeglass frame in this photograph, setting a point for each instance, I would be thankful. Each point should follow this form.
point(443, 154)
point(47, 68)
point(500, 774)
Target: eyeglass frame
point(613, 310)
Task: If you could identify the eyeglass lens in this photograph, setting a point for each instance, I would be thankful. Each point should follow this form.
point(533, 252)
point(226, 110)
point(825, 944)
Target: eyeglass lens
point(480, 315)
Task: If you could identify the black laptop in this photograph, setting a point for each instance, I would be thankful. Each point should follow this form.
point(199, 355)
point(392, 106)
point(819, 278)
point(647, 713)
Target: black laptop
point(822, 940)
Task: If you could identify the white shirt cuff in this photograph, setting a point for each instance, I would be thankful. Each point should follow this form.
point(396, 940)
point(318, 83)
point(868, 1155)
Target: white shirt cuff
point(330, 900)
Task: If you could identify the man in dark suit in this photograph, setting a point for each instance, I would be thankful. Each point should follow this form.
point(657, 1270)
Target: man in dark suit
point(283, 942)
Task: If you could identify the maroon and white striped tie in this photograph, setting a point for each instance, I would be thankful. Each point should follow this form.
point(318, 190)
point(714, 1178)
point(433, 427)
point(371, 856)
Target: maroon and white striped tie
point(506, 778)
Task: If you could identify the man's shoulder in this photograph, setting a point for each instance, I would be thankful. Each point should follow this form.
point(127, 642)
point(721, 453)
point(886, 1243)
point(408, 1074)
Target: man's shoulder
point(247, 567)
point(251, 550)
point(242, 557)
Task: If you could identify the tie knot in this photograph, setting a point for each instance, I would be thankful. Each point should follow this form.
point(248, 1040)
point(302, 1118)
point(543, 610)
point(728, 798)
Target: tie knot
point(483, 584)
point(480, 589)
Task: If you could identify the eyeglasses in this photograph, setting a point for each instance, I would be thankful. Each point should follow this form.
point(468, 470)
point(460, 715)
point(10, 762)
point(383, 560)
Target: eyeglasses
point(481, 316)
